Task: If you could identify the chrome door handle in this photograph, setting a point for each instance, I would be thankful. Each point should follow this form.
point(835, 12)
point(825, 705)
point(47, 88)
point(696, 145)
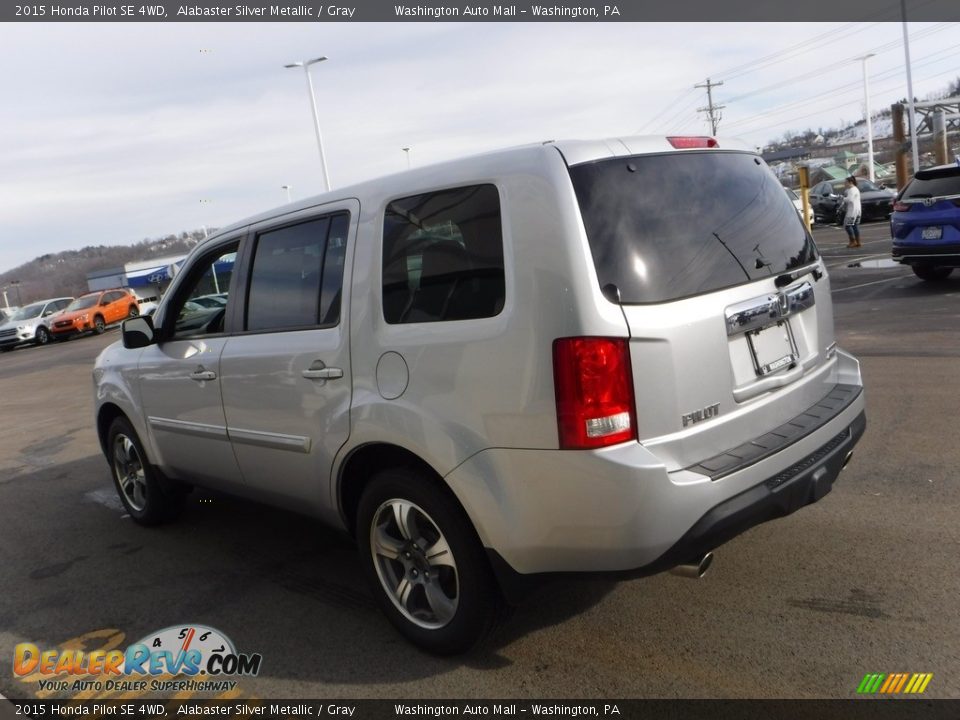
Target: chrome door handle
point(200, 375)
point(319, 371)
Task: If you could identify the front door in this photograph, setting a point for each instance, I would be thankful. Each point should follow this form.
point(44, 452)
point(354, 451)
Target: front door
point(180, 378)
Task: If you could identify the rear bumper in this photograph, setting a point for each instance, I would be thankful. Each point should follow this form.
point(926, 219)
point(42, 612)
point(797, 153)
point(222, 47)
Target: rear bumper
point(926, 254)
point(619, 511)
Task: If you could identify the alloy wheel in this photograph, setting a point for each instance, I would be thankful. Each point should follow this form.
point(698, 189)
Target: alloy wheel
point(128, 468)
point(414, 563)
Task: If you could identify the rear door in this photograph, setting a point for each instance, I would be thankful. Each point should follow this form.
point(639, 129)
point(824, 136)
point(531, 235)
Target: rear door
point(286, 375)
point(729, 324)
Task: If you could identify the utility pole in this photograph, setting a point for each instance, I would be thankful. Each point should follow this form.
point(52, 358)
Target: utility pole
point(713, 111)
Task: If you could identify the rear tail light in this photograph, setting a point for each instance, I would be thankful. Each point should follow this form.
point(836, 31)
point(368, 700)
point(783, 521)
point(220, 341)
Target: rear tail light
point(692, 141)
point(901, 206)
point(594, 389)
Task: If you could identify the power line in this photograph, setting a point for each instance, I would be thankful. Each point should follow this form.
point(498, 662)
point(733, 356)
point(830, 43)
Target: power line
point(822, 71)
point(666, 108)
point(930, 59)
point(837, 107)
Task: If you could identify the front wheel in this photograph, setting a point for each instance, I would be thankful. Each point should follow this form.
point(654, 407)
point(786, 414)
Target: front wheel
point(931, 272)
point(137, 483)
point(43, 336)
point(99, 325)
point(133, 311)
point(425, 563)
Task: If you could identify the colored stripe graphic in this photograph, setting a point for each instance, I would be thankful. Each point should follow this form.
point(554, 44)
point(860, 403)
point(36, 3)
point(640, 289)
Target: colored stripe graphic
point(894, 683)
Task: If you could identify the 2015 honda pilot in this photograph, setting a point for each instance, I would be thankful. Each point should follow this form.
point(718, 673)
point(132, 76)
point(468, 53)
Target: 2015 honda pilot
point(561, 358)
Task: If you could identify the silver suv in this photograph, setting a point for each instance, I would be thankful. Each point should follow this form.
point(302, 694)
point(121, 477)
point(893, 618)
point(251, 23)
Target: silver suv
point(31, 324)
point(561, 358)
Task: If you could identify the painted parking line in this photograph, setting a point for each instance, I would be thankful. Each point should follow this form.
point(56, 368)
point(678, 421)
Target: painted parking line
point(108, 498)
point(844, 246)
point(858, 258)
point(875, 282)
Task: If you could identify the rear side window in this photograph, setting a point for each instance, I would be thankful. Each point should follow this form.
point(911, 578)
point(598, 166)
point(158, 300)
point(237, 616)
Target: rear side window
point(443, 256)
point(296, 276)
point(939, 182)
point(665, 227)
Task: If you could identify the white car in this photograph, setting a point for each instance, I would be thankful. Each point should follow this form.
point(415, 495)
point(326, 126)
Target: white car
point(798, 204)
point(31, 324)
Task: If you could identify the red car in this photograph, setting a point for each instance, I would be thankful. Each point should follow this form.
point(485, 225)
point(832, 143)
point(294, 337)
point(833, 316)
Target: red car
point(94, 312)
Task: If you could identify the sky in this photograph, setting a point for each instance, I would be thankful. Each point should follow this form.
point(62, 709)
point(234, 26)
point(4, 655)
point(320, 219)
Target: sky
point(113, 133)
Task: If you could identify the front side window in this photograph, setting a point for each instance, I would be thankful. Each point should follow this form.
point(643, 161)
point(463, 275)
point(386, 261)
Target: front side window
point(297, 275)
point(211, 276)
point(443, 256)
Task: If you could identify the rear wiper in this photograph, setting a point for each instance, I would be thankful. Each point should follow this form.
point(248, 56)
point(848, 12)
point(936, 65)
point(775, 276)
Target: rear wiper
point(788, 277)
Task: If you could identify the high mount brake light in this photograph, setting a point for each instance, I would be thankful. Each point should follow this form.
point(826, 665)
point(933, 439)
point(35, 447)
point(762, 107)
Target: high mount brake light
point(683, 142)
point(593, 381)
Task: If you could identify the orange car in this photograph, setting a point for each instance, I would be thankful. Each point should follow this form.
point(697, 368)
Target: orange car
point(95, 311)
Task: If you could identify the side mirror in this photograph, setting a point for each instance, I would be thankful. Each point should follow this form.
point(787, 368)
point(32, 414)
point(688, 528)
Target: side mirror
point(138, 332)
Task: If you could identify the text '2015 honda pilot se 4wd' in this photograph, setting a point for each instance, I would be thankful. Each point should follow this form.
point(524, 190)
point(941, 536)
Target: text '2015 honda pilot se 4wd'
point(561, 358)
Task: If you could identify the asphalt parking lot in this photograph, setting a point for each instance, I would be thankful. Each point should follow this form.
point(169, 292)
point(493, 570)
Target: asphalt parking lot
point(864, 581)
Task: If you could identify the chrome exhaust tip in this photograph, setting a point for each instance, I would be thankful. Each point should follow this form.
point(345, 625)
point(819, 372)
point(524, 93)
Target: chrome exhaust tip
point(696, 569)
point(846, 459)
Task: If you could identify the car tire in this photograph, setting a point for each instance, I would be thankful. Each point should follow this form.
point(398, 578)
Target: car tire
point(6, 348)
point(99, 325)
point(43, 336)
point(447, 602)
point(138, 483)
point(133, 311)
point(931, 273)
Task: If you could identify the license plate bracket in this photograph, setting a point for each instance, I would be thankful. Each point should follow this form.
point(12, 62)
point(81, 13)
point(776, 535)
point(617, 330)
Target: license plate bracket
point(772, 348)
point(932, 232)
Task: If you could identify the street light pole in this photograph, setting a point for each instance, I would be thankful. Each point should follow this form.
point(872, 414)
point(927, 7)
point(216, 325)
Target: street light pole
point(866, 104)
point(406, 150)
point(287, 188)
point(305, 64)
point(913, 109)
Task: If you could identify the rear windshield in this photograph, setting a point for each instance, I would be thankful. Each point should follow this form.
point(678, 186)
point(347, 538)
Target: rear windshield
point(934, 183)
point(664, 227)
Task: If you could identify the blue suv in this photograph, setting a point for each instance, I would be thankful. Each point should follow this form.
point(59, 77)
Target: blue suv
point(925, 224)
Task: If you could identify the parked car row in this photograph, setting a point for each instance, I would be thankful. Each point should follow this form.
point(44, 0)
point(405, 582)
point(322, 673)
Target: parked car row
point(64, 317)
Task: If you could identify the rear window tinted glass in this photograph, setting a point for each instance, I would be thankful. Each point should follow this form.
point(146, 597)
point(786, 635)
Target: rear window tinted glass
point(934, 183)
point(443, 256)
point(664, 227)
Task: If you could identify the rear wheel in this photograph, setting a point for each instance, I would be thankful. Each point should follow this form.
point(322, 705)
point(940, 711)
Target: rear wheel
point(931, 272)
point(133, 312)
point(137, 482)
point(42, 336)
point(99, 325)
point(425, 563)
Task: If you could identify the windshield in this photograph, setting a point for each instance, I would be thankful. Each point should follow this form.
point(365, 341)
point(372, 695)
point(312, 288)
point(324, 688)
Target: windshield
point(939, 182)
point(29, 312)
point(82, 303)
point(664, 227)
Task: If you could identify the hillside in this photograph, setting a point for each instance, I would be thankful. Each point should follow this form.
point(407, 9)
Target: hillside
point(65, 273)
